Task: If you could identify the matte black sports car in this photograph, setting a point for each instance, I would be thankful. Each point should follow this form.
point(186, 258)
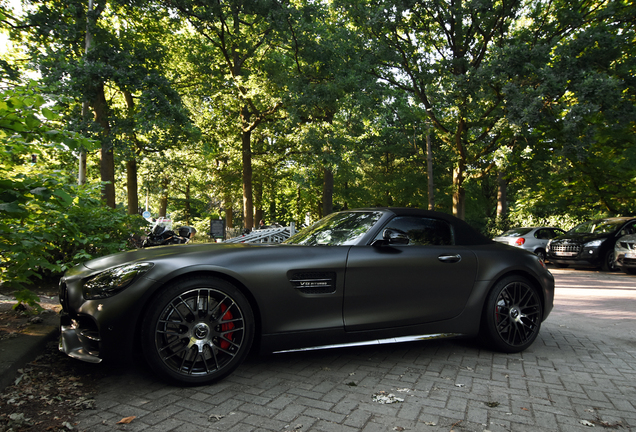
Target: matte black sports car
point(374, 275)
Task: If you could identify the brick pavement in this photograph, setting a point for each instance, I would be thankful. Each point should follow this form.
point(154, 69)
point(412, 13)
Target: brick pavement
point(572, 379)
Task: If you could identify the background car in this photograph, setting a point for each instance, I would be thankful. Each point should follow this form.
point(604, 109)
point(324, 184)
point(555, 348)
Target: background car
point(367, 276)
point(625, 253)
point(590, 244)
point(533, 239)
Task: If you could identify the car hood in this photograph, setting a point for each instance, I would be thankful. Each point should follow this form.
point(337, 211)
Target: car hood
point(161, 253)
point(581, 238)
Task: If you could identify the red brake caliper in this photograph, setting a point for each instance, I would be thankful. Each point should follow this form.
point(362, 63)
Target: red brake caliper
point(227, 316)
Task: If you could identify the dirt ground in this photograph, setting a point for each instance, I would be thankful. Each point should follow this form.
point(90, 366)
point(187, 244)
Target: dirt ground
point(48, 392)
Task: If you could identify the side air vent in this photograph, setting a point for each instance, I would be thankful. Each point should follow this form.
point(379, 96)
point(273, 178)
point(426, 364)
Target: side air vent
point(314, 282)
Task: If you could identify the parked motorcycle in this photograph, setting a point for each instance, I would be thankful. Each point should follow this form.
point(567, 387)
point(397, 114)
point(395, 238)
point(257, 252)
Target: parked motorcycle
point(161, 233)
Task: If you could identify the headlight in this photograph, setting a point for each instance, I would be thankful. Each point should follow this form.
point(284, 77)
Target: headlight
point(547, 247)
point(594, 243)
point(112, 281)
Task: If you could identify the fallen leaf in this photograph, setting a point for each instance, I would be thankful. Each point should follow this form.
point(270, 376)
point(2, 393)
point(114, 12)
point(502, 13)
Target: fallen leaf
point(386, 398)
point(126, 420)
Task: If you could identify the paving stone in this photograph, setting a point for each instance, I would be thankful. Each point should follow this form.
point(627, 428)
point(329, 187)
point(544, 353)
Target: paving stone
point(567, 376)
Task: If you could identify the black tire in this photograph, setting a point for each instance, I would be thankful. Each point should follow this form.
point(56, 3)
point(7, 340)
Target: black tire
point(197, 331)
point(512, 315)
point(541, 254)
point(609, 262)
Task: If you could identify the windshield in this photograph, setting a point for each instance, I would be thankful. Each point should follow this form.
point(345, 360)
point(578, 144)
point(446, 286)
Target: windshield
point(602, 226)
point(337, 229)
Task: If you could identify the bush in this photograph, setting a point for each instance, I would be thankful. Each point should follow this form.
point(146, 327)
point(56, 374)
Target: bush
point(48, 226)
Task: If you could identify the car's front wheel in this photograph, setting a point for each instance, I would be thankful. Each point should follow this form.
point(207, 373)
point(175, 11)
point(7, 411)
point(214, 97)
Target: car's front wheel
point(512, 315)
point(541, 254)
point(197, 331)
point(609, 263)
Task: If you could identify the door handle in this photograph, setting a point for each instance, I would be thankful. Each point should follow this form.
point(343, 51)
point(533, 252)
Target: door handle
point(450, 258)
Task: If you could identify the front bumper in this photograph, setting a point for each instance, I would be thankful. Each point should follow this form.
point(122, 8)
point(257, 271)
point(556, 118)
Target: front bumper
point(623, 262)
point(77, 342)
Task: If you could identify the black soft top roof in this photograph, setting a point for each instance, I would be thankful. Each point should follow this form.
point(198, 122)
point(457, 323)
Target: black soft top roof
point(465, 235)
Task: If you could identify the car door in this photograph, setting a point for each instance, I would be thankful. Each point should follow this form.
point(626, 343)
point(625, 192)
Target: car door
point(429, 279)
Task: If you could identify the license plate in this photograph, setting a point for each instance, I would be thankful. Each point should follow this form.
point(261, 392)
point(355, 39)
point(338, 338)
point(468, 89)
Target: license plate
point(566, 254)
point(630, 255)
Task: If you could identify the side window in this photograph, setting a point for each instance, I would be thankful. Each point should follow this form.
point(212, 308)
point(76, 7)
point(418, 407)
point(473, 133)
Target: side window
point(543, 234)
point(629, 229)
point(422, 231)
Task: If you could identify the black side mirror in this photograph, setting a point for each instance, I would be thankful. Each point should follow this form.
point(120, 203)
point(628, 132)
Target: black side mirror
point(391, 236)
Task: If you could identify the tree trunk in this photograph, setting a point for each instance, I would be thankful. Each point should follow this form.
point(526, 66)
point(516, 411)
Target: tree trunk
point(327, 192)
point(246, 150)
point(81, 171)
point(107, 158)
point(163, 201)
point(229, 215)
point(459, 172)
point(258, 202)
point(131, 165)
point(188, 208)
point(132, 187)
point(429, 171)
point(502, 196)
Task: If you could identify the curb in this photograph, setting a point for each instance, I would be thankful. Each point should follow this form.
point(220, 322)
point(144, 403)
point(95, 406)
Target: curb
point(15, 353)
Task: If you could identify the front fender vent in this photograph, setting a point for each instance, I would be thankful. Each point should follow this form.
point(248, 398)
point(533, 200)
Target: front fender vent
point(314, 282)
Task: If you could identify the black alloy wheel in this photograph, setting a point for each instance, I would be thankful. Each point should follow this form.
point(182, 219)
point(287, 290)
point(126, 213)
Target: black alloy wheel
point(609, 262)
point(512, 315)
point(197, 331)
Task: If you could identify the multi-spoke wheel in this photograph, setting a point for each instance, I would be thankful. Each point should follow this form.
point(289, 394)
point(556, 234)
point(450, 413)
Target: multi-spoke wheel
point(512, 315)
point(198, 330)
point(609, 262)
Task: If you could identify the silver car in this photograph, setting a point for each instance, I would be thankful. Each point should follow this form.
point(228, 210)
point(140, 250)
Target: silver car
point(625, 253)
point(533, 239)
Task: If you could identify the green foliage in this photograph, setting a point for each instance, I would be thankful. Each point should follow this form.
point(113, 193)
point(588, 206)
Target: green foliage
point(29, 298)
point(50, 226)
point(29, 122)
point(286, 92)
point(46, 225)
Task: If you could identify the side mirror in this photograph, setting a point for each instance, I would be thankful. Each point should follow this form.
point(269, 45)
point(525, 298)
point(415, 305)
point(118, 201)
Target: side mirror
point(392, 236)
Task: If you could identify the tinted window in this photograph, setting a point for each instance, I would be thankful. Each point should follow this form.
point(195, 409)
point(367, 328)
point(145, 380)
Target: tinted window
point(628, 229)
point(422, 231)
point(544, 234)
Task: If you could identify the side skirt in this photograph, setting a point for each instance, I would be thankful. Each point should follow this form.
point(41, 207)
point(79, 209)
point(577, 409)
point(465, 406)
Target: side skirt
point(375, 342)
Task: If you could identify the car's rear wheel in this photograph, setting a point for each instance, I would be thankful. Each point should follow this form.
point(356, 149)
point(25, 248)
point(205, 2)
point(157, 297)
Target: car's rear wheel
point(512, 315)
point(197, 330)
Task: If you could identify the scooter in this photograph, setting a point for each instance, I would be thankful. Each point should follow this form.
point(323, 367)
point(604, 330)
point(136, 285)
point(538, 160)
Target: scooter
point(161, 233)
